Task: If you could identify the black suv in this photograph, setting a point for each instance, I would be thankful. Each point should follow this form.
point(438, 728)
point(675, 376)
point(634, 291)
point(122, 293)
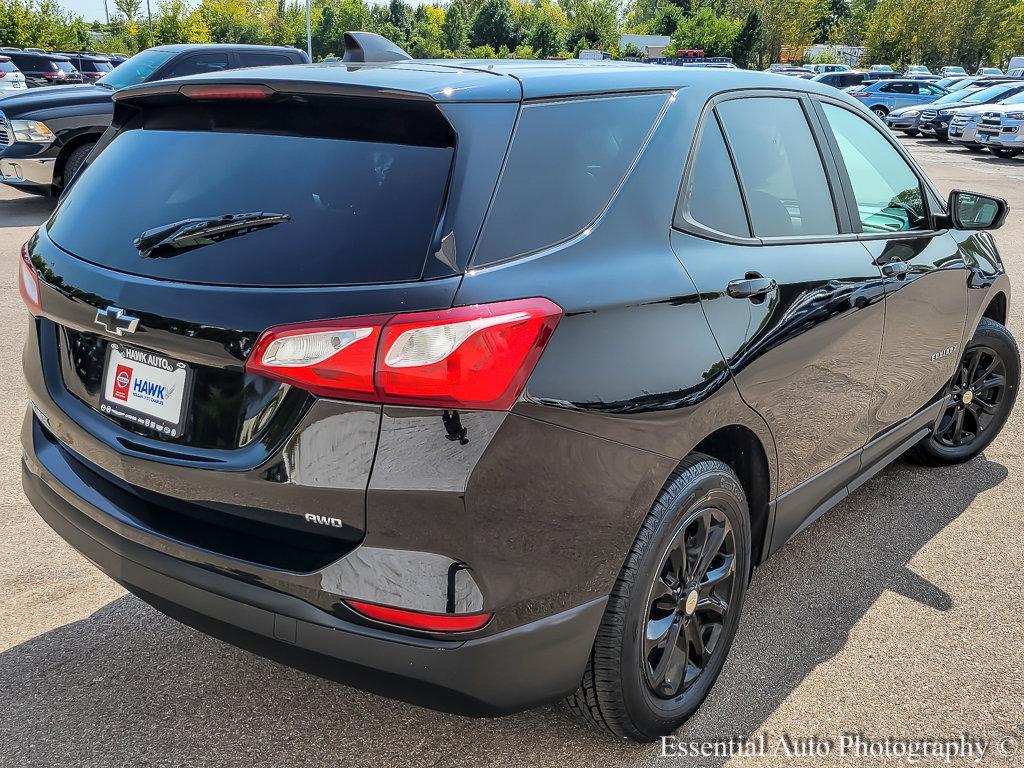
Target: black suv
point(483, 384)
point(45, 136)
point(93, 66)
point(42, 69)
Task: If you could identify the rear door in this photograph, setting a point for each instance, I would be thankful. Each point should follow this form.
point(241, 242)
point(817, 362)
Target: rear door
point(925, 274)
point(793, 298)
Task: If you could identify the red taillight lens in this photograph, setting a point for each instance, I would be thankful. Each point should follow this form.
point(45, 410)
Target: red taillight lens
point(333, 359)
point(466, 357)
point(28, 282)
point(469, 357)
point(428, 622)
point(54, 75)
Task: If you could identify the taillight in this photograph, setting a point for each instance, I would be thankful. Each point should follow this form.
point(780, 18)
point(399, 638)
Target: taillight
point(428, 622)
point(466, 357)
point(28, 282)
point(3, 75)
point(60, 75)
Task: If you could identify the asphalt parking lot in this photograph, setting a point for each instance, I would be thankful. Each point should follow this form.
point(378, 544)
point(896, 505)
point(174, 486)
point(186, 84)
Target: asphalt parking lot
point(899, 614)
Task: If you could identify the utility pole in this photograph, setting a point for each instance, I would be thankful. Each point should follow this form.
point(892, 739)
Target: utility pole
point(309, 34)
point(149, 11)
point(106, 12)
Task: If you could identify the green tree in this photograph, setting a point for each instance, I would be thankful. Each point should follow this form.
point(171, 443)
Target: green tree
point(708, 32)
point(455, 29)
point(592, 23)
point(546, 39)
point(129, 8)
point(747, 40)
point(666, 22)
point(495, 26)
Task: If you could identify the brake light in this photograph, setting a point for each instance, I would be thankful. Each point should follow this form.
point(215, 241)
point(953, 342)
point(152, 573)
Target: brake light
point(3, 75)
point(28, 282)
point(58, 75)
point(429, 622)
point(233, 92)
point(466, 357)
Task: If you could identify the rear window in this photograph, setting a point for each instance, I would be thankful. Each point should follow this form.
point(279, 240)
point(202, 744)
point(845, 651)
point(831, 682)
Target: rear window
point(65, 66)
point(566, 161)
point(98, 66)
point(362, 211)
point(7, 66)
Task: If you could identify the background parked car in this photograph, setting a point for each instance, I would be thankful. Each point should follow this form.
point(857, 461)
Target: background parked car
point(917, 69)
point(42, 69)
point(11, 78)
point(93, 66)
point(881, 68)
point(989, 71)
point(1001, 127)
point(947, 71)
point(116, 59)
point(820, 69)
point(934, 121)
point(59, 127)
point(884, 96)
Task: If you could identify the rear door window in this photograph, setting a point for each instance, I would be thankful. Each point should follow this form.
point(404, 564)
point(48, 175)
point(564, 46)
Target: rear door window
point(566, 161)
point(195, 65)
point(711, 197)
point(262, 59)
point(780, 168)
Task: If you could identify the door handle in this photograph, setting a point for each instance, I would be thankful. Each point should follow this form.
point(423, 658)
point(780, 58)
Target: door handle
point(751, 287)
point(895, 269)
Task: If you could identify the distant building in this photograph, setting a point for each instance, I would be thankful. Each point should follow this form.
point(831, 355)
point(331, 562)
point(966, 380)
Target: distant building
point(651, 46)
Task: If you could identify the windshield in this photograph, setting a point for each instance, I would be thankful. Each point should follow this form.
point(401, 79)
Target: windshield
point(988, 94)
point(135, 70)
point(949, 98)
point(1017, 98)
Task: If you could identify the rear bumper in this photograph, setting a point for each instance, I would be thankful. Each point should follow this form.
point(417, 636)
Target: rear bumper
point(505, 672)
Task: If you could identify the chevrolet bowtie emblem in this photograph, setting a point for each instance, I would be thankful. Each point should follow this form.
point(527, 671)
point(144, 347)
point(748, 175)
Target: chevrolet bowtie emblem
point(116, 321)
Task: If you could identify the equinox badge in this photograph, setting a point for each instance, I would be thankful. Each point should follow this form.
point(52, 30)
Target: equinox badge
point(116, 321)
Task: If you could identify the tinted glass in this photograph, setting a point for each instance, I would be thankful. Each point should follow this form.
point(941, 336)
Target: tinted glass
point(949, 98)
point(887, 191)
point(566, 161)
point(361, 211)
point(7, 66)
point(779, 166)
point(136, 69)
point(991, 93)
point(66, 66)
point(712, 196)
point(194, 65)
point(262, 59)
point(100, 66)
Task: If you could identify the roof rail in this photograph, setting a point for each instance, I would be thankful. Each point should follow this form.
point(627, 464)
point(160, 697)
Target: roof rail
point(367, 47)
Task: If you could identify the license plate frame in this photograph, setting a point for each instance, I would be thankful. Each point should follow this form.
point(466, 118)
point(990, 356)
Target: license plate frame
point(167, 382)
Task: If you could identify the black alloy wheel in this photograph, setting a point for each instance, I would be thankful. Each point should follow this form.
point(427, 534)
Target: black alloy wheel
point(978, 398)
point(689, 603)
point(974, 399)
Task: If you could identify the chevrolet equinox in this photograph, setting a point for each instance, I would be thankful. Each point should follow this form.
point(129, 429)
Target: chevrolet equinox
point(485, 384)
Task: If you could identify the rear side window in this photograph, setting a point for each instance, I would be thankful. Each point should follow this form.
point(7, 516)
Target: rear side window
point(779, 166)
point(888, 192)
point(712, 196)
point(566, 161)
point(262, 59)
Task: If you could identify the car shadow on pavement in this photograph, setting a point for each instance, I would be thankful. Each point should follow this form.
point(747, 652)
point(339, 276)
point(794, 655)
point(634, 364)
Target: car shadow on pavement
point(127, 686)
point(25, 211)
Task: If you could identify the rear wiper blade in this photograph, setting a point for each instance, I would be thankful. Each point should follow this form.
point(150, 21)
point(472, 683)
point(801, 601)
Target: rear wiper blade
point(187, 234)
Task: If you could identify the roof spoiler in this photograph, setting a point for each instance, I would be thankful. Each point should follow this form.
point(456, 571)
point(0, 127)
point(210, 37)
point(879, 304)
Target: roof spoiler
point(363, 47)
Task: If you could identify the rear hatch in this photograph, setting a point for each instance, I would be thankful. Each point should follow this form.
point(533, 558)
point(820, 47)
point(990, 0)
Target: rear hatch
point(363, 183)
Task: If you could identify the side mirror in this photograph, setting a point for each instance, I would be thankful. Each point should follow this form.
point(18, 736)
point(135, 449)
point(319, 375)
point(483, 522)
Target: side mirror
point(969, 210)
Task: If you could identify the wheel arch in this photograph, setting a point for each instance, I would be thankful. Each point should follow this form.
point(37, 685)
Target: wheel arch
point(65, 152)
point(996, 308)
point(741, 449)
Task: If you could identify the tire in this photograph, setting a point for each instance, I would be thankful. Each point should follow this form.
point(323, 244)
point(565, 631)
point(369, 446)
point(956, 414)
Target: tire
point(974, 148)
point(618, 692)
point(1003, 152)
point(74, 162)
point(911, 133)
point(977, 427)
point(881, 112)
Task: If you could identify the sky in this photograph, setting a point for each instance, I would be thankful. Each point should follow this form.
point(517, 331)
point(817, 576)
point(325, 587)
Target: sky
point(92, 10)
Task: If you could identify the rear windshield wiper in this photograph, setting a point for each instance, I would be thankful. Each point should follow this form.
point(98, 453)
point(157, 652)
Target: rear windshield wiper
point(187, 234)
